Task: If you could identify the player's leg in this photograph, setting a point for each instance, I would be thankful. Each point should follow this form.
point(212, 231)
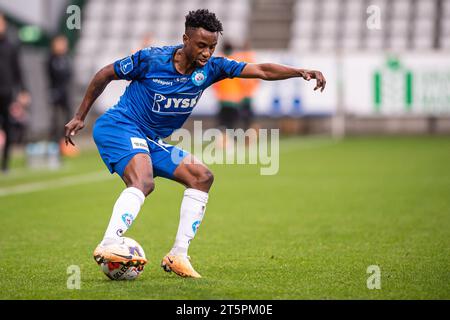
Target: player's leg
point(246, 113)
point(5, 101)
point(138, 178)
point(125, 152)
point(230, 119)
point(198, 180)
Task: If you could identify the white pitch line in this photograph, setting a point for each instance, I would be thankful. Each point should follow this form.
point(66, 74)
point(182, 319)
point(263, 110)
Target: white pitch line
point(56, 183)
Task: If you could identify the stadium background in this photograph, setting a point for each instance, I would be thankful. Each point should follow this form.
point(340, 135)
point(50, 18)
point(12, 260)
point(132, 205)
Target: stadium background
point(379, 196)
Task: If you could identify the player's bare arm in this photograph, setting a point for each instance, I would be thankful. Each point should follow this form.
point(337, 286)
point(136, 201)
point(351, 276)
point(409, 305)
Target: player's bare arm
point(101, 79)
point(273, 71)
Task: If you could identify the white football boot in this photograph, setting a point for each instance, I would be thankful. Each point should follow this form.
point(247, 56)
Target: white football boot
point(113, 250)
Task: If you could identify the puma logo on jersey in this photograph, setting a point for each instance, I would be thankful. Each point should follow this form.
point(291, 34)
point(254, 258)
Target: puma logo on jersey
point(175, 103)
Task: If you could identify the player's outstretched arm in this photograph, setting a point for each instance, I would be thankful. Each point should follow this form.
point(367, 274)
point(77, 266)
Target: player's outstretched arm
point(94, 90)
point(273, 71)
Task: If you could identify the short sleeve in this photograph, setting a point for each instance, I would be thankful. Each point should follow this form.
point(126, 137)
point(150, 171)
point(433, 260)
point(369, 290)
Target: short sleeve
point(227, 68)
point(133, 67)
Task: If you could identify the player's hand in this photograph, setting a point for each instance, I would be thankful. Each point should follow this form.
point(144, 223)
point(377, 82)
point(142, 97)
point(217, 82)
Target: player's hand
point(313, 74)
point(72, 128)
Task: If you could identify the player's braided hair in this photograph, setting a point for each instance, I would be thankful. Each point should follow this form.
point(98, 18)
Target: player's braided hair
point(202, 18)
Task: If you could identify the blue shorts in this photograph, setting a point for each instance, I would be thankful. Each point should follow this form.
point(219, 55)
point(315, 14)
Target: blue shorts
point(120, 140)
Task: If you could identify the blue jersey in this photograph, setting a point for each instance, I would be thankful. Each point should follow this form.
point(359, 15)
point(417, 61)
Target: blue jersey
point(159, 99)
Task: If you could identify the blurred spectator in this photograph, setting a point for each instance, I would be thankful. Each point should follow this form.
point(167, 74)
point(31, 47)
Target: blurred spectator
point(248, 88)
point(146, 41)
point(19, 116)
point(229, 95)
point(10, 81)
point(59, 68)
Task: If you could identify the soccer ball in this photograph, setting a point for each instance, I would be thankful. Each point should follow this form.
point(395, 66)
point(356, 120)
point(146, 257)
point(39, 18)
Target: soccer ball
point(119, 271)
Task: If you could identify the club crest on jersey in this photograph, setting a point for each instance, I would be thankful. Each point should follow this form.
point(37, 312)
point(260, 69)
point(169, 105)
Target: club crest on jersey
point(126, 65)
point(175, 102)
point(198, 77)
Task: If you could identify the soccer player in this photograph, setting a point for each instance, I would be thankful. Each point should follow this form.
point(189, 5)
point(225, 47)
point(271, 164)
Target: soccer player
point(166, 84)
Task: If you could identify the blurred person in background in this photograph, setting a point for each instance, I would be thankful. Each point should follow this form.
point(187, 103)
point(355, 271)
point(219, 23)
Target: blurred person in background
point(229, 94)
point(146, 41)
point(10, 84)
point(59, 69)
point(19, 115)
point(248, 87)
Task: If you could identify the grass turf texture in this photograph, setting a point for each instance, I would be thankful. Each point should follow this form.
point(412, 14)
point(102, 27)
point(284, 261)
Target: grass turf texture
point(309, 232)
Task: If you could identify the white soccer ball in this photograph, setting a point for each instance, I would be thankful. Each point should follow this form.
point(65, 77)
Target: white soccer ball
point(119, 271)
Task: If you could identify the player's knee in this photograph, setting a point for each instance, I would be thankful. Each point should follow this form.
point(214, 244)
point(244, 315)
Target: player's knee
point(145, 184)
point(148, 186)
point(205, 179)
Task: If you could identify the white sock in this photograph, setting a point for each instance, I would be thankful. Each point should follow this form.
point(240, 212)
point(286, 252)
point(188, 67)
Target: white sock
point(191, 215)
point(125, 212)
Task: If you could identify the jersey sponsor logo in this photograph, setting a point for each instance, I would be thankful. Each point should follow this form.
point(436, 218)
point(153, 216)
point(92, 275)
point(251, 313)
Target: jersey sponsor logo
point(162, 82)
point(176, 102)
point(126, 65)
point(198, 77)
point(139, 143)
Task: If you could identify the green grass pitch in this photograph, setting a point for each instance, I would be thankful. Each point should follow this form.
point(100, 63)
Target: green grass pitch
point(309, 232)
